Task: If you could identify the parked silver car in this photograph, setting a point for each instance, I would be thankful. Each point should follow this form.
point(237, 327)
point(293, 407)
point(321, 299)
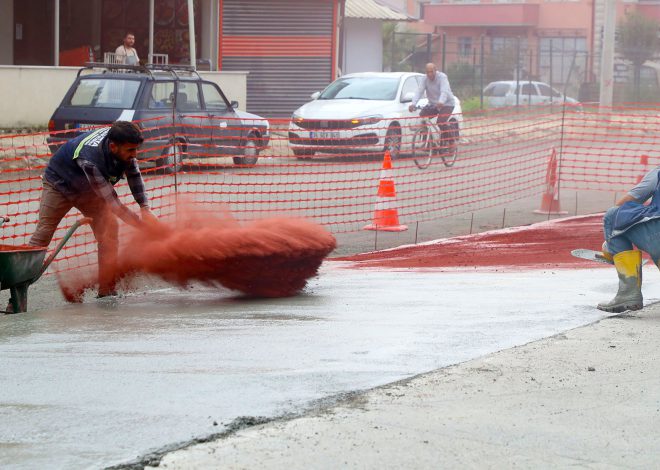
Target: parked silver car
point(503, 93)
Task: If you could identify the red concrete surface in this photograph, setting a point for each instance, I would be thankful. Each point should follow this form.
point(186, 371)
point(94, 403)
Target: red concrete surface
point(543, 245)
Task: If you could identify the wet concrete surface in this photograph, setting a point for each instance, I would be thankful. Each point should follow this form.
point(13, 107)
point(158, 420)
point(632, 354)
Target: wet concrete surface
point(104, 383)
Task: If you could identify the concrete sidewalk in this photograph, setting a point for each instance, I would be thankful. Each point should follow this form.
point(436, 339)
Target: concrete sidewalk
point(587, 398)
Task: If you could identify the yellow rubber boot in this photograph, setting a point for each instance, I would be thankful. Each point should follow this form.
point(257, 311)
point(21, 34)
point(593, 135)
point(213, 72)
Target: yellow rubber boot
point(628, 266)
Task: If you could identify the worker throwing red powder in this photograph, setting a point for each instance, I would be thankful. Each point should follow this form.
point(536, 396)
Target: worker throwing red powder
point(265, 258)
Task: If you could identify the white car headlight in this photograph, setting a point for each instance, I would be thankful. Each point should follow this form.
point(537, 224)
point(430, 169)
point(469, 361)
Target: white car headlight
point(296, 119)
point(363, 121)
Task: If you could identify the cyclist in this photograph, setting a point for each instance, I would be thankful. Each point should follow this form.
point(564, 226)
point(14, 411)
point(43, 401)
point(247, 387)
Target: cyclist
point(440, 97)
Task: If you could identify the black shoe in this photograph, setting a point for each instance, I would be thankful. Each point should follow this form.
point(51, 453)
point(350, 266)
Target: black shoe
point(106, 293)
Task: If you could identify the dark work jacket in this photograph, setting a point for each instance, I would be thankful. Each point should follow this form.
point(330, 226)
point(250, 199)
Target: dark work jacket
point(64, 173)
point(632, 213)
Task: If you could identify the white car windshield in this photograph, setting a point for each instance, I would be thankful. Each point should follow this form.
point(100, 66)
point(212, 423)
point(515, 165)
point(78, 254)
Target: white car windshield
point(361, 88)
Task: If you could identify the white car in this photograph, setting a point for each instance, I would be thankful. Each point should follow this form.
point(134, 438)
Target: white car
point(360, 113)
point(503, 93)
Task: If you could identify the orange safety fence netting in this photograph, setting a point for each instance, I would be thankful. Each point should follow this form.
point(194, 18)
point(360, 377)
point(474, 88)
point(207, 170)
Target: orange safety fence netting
point(328, 171)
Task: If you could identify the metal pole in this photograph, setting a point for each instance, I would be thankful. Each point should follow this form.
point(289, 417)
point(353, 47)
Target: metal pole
point(529, 79)
point(552, 98)
point(481, 75)
point(151, 30)
point(517, 72)
point(56, 42)
point(607, 58)
point(392, 51)
point(474, 67)
point(191, 33)
point(428, 48)
point(444, 50)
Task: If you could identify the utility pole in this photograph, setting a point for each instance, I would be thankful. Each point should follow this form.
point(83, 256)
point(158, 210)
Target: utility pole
point(191, 34)
point(56, 38)
point(607, 57)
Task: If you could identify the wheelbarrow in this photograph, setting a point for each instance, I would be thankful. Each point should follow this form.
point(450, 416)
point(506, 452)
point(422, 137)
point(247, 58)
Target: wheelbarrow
point(23, 265)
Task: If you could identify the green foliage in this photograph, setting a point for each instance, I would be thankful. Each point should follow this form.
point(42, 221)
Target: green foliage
point(638, 38)
point(473, 104)
point(641, 94)
point(405, 50)
point(397, 48)
point(500, 65)
point(464, 79)
point(638, 42)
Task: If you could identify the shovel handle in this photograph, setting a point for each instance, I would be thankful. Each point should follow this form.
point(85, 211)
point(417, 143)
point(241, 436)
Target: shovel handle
point(60, 245)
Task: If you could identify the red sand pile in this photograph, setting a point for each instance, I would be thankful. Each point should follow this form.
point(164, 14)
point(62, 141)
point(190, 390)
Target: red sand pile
point(266, 258)
point(543, 245)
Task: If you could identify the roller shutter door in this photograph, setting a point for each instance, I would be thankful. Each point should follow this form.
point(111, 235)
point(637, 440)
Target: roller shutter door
point(286, 45)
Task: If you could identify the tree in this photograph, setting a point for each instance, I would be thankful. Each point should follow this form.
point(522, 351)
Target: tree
point(638, 41)
point(399, 48)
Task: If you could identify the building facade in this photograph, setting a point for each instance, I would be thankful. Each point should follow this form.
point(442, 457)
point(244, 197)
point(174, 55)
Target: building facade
point(289, 47)
point(552, 39)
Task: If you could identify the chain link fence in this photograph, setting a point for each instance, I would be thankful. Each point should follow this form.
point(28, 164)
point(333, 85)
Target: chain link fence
point(563, 64)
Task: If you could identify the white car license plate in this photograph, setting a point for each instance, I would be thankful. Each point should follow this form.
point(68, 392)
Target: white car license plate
point(324, 135)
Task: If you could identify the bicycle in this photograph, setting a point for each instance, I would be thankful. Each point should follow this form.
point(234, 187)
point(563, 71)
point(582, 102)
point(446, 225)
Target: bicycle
point(428, 141)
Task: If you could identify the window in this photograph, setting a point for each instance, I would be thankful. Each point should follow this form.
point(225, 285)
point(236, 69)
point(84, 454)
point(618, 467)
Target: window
point(648, 76)
point(497, 89)
point(105, 93)
point(508, 43)
point(505, 49)
point(212, 97)
point(527, 89)
point(562, 58)
point(545, 90)
point(162, 95)
point(187, 97)
point(361, 88)
point(410, 86)
point(464, 47)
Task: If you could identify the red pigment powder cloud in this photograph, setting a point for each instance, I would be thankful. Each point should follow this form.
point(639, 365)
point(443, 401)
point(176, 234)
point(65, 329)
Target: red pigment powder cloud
point(265, 258)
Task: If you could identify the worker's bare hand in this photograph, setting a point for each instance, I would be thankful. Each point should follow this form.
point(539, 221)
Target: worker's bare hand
point(151, 224)
point(148, 216)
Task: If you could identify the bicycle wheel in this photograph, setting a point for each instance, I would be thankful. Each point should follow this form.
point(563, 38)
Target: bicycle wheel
point(450, 153)
point(422, 147)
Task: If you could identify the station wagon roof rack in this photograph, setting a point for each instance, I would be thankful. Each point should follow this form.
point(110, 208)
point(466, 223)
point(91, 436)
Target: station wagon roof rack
point(148, 69)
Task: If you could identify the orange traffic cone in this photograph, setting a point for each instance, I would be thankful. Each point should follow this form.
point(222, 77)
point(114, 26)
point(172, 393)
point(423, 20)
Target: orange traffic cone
point(549, 200)
point(386, 216)
point(644, 161)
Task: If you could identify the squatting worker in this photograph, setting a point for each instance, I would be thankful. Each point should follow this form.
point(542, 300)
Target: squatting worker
point(438, 92)
point(81, 174)
point(631, 223)
point(126, 53)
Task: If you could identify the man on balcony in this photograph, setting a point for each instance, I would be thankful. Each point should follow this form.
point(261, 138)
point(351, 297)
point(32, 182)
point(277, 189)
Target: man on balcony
point(126, 53)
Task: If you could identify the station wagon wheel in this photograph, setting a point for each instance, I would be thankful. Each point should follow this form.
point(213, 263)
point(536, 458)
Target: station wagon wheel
point(250, 152)
point(171, 158)
point(393, 141)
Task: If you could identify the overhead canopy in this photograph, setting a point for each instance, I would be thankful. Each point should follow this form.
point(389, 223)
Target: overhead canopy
point(372, 10)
